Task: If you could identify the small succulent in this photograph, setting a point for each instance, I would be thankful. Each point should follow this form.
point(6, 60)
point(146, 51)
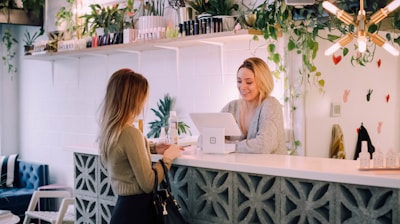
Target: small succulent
point(30, 39)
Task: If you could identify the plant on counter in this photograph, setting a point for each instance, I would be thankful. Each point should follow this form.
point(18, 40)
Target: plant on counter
point(164, 106)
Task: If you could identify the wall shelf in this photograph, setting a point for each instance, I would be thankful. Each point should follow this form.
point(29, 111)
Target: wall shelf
point(147, 45)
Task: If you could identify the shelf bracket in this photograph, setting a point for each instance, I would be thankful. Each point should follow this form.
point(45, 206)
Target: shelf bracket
point(221, 53)
point(139, 54)
point(176, 49)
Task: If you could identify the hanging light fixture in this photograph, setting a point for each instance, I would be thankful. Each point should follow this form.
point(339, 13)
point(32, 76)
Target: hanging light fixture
point(361, 25)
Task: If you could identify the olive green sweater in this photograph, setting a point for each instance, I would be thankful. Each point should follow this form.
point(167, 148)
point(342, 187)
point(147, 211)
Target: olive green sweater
point(129, 164)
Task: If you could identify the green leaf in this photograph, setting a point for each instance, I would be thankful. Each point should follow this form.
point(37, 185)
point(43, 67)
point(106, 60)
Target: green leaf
point(372, 28)
point(321, 83)
point(271, 48)
point(276, 58)
point(332, 38)
point(345, 51)
point(291, 45)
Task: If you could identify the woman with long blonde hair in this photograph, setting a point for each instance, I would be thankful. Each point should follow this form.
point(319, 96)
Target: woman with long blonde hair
point(125, 152)
point(258, 114)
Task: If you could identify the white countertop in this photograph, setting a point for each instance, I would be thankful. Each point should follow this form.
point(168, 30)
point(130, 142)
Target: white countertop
point(323, 169)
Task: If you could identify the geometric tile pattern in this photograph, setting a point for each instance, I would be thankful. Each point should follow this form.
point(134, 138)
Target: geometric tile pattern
point(363, 204)
point(220, 196)
point(307, 201)
point(256, 198)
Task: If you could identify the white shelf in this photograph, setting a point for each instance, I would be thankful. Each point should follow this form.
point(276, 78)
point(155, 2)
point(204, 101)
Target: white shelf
point(147, 45)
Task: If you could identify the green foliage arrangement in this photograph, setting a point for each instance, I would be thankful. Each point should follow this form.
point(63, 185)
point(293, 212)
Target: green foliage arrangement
point(164, 106)
point(9, 41)
point(200, 6)
point(30, 39)
point(65, 14)
point(222, 7)
point(35, 7)
point(111, 18)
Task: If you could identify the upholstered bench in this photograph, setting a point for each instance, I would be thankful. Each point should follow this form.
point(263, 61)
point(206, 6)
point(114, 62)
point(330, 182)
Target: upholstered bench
point(31, 177)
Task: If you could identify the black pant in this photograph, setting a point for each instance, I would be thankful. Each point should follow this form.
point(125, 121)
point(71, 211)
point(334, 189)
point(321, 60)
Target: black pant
point(134, 209)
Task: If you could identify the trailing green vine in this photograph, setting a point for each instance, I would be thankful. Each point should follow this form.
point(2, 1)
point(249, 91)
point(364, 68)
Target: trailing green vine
point(9, 41)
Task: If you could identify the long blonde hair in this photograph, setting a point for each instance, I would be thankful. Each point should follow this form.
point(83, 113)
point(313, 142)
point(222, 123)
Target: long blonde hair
point(262, 76)
point(125, 98)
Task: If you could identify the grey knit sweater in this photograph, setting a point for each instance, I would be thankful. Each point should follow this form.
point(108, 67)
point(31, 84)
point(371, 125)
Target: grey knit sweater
point(266, 132)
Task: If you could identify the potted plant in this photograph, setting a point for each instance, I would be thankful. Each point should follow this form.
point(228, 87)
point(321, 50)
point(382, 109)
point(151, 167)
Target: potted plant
point(151, 14)
point(65, 20)
point(34, 7)
point(200, 6)
point(223, 9)
point(164, 106)
point(109, 18)
point(30, 39)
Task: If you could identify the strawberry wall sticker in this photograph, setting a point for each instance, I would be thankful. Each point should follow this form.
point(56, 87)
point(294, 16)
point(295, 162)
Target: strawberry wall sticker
point(337, 59)
point(379, 63)
point(346, 95)
point(387, 98)
point(379, 128)
point(369, 94)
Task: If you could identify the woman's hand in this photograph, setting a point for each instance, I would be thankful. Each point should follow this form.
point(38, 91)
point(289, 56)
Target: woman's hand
point(172, 152)
point(161, 147)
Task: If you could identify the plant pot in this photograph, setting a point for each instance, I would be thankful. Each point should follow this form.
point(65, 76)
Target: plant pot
point(228, 22)
point(28, 49)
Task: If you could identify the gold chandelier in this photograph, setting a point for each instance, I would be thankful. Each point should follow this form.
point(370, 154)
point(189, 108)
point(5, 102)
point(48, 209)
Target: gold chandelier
point(361, 25)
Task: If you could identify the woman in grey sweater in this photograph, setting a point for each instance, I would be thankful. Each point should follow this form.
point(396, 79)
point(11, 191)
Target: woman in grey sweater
point(258, 114)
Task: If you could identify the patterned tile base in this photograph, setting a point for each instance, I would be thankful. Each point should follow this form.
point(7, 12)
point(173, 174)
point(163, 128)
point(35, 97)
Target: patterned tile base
point(218, 196)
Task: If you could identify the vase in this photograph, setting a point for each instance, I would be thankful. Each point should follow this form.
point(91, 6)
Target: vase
point(228, 22)
point(28, 49)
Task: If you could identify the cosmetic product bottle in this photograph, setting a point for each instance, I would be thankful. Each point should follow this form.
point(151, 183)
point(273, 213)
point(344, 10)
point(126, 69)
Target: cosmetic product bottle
point(172, 128)
point(377, 158)
point(364, 155)
point(391, 159)
point(196, 27)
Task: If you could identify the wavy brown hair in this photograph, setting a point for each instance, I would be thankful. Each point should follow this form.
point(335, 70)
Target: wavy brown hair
point(126, 95)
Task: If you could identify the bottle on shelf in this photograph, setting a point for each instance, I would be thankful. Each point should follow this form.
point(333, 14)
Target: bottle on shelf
point(364, 155)
point(173, 128)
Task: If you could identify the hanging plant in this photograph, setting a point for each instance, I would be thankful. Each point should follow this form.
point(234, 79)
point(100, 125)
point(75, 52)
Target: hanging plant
point(9, 41)
point(277, 18)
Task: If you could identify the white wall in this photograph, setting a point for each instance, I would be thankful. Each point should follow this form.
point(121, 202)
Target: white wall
point(58, 105)
point(357, 79)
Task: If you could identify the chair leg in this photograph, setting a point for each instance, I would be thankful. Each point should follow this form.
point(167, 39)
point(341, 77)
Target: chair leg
point(27, 219)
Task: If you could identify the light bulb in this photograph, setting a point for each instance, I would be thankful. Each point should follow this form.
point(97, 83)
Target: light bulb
point(330, 7)
point(390, 49)
point(332, 49)
point(392, 6)
point(362, 43)
point(343, 41)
